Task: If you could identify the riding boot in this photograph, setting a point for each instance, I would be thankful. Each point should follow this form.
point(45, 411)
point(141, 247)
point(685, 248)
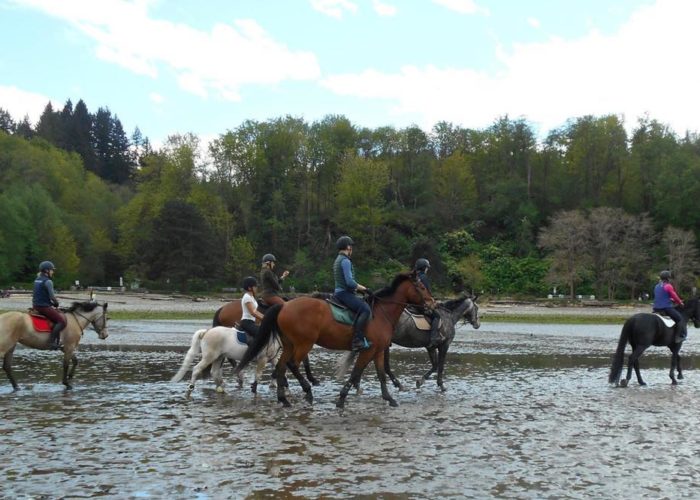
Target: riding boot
point(55, 337)
point(359, 340)
point(681, 332)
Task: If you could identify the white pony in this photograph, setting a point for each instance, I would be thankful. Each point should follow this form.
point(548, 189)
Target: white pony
point(218, 344)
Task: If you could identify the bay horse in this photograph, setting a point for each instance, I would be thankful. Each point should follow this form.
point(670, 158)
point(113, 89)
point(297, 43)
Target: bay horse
point(305, 321)
point(407, 334)
point(17, 327)
point(644, 330)
point(230, 314)
point(218, 344)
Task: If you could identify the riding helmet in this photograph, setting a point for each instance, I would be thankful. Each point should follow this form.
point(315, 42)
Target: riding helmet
point(249, 282)
point(47, 265)
point(268, 257)
point(665, 275)
point(422, 264)
point(344, 242)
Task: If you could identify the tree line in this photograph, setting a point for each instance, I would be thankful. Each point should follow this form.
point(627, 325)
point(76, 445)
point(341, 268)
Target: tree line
point(589, 208)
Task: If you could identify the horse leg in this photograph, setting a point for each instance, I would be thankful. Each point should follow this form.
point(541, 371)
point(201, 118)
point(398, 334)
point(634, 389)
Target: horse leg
point(381, 374)
point(433, 367)
point(197, 372)
point(66, 365)
point(633, 362)
point(7, 366)
point(217, 372)
point(309, 375)
point(678, 364)
point(294, 367)
point(387, 369)
point(355, 377)
point(441, 356)
point(281, 370)
point(675, 364)
point(259, 367)
point(74, 365)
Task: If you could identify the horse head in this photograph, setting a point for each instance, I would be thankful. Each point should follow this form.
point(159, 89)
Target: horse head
point(694, 304)
point(95, 314)
point(471, 314)
point(411, 290)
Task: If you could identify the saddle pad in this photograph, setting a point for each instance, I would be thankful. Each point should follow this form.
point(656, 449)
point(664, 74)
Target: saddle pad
point(241, 336)
point(41, 323)
point(667, 321)
point(420, 321)
point(342, 315)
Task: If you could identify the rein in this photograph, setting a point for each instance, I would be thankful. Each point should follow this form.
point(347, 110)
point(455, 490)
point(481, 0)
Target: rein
point(387, 301)
point(88, 320)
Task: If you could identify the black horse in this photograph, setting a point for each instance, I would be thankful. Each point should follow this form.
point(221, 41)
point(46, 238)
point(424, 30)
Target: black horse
point(643, 330)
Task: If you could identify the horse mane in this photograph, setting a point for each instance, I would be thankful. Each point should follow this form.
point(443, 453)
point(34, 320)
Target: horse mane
point(389, 290)
point(450, 305)
point(86, 306)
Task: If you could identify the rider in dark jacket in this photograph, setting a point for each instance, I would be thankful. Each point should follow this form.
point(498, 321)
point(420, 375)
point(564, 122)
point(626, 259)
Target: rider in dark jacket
point(44, 301)
point(345, 287)
point(271, 288)
point(664, 298)
point(422, 267)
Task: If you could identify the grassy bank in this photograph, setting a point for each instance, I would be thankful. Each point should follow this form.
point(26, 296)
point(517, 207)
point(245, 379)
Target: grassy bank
point(566, 319)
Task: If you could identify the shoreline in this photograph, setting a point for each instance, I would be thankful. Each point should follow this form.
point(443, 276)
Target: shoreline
point(152, 306)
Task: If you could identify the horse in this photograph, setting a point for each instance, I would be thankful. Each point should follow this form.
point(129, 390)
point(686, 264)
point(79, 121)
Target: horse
point(17, 327)
point(231, 313)
point(646, 329)
point(305, 321)
point(407, 334)
point(218, 344)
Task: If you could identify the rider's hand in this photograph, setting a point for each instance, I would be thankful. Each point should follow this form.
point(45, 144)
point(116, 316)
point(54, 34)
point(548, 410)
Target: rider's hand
point(55, 303)
point(285, 274)
point(368, 292)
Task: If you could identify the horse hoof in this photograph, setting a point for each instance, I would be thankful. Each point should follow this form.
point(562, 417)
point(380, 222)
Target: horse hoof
point(642, 383)
point(442, 388)
point(680, 377)
point(419, 382)
point(309, 398)
point(219, 389)
point(393, 403)
point(340, 404)
point(674, 382)
point(623, 383)
point(315, 382)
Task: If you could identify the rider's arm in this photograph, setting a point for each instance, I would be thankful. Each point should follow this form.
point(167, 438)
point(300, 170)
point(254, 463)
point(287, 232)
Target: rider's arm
point(52, 295)
point(252, 310)
point(346, 266)
point(674, 296)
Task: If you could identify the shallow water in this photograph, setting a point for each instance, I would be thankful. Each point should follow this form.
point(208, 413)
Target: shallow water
point(528, 414)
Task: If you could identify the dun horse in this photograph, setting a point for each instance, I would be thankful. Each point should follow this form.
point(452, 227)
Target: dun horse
point(306, 321)
point(231, 313)
point(218, 344)
point(644, 330)
point(17, 327)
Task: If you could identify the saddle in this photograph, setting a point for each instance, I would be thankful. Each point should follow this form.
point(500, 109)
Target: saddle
point(420, 321)
point(668, 321)
point(341, 313)
point(242, 336)
point(40, 322)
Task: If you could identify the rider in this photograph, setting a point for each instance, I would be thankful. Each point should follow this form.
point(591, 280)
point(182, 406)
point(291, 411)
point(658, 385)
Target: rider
point(44, 301)
point(345, 287)
point(270, 282)
point(250, 307)
point(422, 266)
point(664, 298)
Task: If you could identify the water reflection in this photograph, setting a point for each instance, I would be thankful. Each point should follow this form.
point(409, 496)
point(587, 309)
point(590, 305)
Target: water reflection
point(526, 415)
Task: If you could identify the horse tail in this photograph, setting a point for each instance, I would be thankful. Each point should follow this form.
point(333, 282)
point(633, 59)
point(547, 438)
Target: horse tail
point(344, 364)
point(194, 350)
point(268, 327)
point(619, 358)
point(217, 321)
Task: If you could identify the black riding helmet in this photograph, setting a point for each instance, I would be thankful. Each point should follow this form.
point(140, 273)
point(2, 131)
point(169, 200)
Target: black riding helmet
point(344, 242)
point(422, 264)
point(665, 275)
point(47, 265)
point(268, 257)
point(249, 283)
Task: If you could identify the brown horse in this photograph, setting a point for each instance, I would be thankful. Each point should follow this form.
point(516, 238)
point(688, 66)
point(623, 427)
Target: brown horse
point(306, 321)
point(230, 314)
point(17, 327)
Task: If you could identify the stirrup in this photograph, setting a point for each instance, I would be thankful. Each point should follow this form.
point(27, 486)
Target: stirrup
point(361, 344)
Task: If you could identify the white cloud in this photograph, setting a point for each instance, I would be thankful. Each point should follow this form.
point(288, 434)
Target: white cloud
point(384, 9)
point(156, 97)
point(219, 61)
point(534, 22)
point(462, 6)
point(20, 102)
point(334, 8)
point(628, 73)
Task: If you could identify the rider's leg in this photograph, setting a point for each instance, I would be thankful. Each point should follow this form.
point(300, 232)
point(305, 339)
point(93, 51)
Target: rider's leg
point(359, 306)
point(59, 323)
point(434, 333)
point(680, 328)
point(251, 330)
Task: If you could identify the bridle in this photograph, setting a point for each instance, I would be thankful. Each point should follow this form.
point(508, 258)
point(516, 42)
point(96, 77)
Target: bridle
point(418, 287)
point(89, 321)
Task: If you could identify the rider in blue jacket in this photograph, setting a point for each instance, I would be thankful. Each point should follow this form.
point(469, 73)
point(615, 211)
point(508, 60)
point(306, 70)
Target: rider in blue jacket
point(664, 298)
point(345, 287)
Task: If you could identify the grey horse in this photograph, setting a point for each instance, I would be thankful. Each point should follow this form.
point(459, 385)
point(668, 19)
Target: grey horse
point(406, 334)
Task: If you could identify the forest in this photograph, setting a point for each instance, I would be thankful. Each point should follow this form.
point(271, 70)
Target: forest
point(588, 208)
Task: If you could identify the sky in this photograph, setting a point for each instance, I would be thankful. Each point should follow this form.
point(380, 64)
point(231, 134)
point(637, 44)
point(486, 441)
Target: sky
point(207, 66)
